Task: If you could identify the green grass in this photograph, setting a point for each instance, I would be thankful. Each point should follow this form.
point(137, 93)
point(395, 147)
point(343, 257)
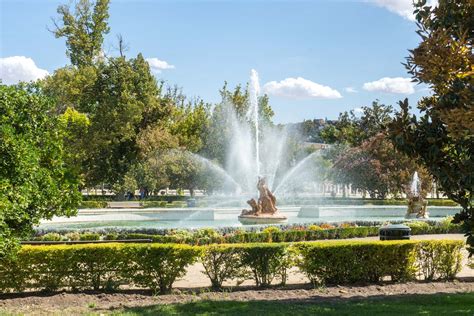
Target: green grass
point(433, 304)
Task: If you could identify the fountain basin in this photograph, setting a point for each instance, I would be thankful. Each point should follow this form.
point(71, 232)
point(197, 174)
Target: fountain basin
point(263, 219)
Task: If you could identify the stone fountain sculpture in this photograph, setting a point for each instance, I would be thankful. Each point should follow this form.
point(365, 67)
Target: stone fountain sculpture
point(263, 210)
point(416, 204)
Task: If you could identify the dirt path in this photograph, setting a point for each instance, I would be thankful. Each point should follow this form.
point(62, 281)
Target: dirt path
point(82, 303)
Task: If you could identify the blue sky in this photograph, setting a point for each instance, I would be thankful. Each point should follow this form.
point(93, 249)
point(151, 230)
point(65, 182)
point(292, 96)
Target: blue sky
point(315, 58)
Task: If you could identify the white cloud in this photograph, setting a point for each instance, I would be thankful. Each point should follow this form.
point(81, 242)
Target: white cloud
point(300, 88)
point(391, 85)
point(403, 8)
point(157, 65)
point(19, 68)
point(350, 90)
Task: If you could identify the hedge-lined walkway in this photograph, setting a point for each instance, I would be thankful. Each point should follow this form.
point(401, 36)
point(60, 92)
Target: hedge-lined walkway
point(194, 277)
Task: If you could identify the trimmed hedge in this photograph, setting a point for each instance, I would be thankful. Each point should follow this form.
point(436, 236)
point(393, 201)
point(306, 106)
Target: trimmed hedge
point(347, 262)
point(96, 266)
point(353, 262)
point(93, 204)
point(157, 266)
point(210, 236)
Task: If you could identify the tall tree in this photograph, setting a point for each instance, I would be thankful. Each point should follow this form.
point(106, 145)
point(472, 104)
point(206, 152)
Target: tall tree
point(365, 156)
point(84, 30)
point(443, 137)
point(35, 182)
point(234, 105)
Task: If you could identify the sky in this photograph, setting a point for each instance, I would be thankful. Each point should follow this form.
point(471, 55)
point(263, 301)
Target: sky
point(314, 58)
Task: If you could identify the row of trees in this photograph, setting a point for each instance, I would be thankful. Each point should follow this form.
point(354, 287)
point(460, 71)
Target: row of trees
point(129, 131)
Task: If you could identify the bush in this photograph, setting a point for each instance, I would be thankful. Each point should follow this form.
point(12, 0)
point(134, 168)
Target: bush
point(93, 204)
point(146, 204)
point(89, 236)
point(352, 262)
point(439, 258)
point(222, 263)
point(73, 236)
point(420, 227)
point(265, 261)
point(52, 237)
point(157, 266)
point(96, 266)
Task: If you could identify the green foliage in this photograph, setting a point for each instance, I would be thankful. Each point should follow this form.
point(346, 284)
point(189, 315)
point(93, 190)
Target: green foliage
point(222, 263)
point(234, 105)
point(352, 262)
point(313, 232)
point(442, 138)
point(160, 265)
point(418, 227)
point(153, 204)
point(353, 130)
point(96, 266)
point(52, 237)
point(365, 157)
point(157, 266)
point(93, 204)
point(89, 236)
point(265, 261)
point(84, 30)
point(35, 183)
point(439, 259)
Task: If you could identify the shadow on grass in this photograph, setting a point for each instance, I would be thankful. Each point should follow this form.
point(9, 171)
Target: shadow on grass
point(426, 304)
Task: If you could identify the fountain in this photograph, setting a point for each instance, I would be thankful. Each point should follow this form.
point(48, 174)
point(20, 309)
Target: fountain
point(416, 203)
point(264, 211)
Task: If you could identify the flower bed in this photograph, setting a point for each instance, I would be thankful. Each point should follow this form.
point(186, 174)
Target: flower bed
point(269, 234)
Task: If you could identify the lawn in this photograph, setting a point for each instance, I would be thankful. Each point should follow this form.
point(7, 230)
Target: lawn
point(434, 304)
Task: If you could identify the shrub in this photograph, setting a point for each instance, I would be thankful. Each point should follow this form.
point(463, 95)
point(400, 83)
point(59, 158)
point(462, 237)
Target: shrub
point(157, 266)
point(314, 227)
point(52, 237)
point(93, 204)
point(89, 236)
point(352, 262)
point(112, 236)
point(419, 227)
point(265, 261)
point(439, 258)
point(96, 266)
point(222, 263)
point(271, 230)
point(147, 204)
point(73, 236)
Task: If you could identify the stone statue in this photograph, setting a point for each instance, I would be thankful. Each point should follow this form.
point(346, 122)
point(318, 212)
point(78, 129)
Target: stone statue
point(416, 203)
point(416, 207)
point(266, 200)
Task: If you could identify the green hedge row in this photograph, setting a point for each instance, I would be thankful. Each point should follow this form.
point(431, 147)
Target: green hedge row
point(291, 235)
point(269, 234)
point(157, 266)
point(93, 204)
point(254, 237)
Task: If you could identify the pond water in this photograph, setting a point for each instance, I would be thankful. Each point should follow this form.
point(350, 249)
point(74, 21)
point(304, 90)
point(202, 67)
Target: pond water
point(161, 218)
